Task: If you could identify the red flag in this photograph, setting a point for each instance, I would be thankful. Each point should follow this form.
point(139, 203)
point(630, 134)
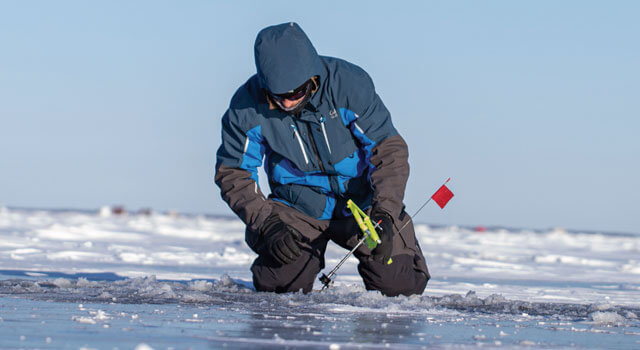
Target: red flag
point(442, 196)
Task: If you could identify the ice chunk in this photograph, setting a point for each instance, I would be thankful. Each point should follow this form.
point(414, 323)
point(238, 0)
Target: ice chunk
point(471, 298)
point(83, 283)
point(83, 320)
point(195, 297)
point(602, 307)
point(201, 286)
point(494, 299)
point(63, 283)
point(105, 296)
point(227, 284)
point(100, 315)
point(610, 318)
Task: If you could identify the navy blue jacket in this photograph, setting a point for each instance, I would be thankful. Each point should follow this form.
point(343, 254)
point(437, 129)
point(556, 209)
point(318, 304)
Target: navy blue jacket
point(332, 151)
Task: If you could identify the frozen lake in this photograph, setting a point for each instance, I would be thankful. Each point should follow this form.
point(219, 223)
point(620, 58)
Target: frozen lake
point(81, 280)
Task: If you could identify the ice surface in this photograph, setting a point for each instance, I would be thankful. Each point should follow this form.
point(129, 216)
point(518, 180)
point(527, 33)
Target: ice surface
point(167, 314)
point(345, 298)
point(161, 281)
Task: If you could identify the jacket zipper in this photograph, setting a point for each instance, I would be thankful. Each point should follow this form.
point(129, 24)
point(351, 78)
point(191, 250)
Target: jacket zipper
point(315, 148)
point(304, 153)
point(324, 132)
point(359, 128)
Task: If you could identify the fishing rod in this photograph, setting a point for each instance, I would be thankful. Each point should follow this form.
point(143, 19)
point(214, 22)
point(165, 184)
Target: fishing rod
point(368, 228)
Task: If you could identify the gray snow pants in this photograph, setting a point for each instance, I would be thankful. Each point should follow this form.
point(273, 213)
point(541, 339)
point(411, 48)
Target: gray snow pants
point(407, 275)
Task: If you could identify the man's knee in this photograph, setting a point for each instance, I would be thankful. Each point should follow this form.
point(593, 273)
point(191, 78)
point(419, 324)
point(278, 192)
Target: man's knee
point(269, 276)
point(264, 283)
point(399, 278)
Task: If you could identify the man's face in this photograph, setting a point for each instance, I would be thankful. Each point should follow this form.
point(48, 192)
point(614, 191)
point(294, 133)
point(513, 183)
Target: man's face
point(292, 100)
point(289, 104)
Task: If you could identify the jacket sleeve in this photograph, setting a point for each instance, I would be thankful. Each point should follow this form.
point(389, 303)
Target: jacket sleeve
point(390, 174)
point(370, 123)
point(238, 158)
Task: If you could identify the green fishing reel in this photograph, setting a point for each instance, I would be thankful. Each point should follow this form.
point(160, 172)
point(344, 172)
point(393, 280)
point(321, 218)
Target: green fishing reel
point(372, 239)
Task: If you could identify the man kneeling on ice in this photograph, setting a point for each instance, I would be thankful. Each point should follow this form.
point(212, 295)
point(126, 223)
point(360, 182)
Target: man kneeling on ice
point(325, 137)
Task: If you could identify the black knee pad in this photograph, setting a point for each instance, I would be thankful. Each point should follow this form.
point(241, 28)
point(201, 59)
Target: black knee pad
point(399, 278)
point(269, 276)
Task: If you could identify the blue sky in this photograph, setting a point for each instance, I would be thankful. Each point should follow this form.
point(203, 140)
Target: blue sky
point(532, 108)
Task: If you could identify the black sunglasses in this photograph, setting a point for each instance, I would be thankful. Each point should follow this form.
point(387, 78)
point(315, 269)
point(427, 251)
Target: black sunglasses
point(295, 94)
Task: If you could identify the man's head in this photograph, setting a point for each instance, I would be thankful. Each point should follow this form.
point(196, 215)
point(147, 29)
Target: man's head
point(286, 62)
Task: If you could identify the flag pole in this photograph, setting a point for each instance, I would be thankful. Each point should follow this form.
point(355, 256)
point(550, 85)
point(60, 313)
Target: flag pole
point(423, 205)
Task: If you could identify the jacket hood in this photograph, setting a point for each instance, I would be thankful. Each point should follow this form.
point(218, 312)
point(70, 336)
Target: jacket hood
point(285, 58)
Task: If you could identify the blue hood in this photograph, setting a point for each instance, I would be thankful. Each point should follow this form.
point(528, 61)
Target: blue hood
point(285, 58)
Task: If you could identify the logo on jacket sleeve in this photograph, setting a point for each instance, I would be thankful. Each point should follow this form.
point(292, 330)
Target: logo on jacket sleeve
point(333, 114)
